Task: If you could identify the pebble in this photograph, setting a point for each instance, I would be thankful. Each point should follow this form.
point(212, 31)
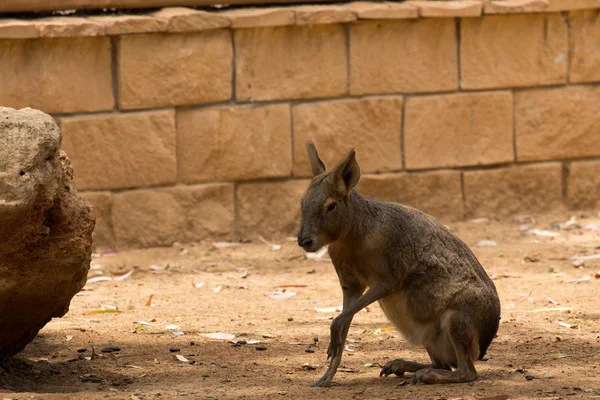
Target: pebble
point(316, 339)
point(529, 377)
point(309, 350)
point(260, 348)
point(242, 342)
point(110, 349)
point(290, 319)
point(174, 349)
point(82, 350)
point(236, 344)
point(91, 378)
point(192, 343)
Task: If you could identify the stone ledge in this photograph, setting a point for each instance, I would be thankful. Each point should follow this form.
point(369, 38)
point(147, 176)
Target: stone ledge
point(537, 6)
point(183, 19)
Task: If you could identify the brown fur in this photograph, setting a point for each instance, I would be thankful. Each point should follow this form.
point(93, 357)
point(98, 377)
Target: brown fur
point(427, 281)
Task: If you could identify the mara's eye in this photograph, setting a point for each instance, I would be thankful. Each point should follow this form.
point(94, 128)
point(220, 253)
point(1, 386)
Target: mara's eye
point(331, 207)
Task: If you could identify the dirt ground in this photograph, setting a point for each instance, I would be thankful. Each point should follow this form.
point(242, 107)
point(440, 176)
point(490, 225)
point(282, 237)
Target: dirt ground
point(201, 289)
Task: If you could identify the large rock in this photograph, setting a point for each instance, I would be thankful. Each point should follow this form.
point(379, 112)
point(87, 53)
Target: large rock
point(45, 228)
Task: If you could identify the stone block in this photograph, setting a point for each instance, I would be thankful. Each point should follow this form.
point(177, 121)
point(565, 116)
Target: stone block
point(117, 151)
point(234, 143)
point(159, 70)
point(494, 54)
point(371, 125)
point(403, 56)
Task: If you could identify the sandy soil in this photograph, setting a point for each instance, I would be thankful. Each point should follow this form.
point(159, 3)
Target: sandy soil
point(532, 357)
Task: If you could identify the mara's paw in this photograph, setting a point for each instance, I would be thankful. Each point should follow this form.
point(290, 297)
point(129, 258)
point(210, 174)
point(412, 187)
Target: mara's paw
point(322, 382)
point(393, 367)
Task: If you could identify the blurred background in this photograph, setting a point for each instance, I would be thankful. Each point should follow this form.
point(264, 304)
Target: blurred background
point(189, 123)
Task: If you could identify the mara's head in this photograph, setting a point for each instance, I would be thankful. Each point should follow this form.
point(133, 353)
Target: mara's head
point(325, 213)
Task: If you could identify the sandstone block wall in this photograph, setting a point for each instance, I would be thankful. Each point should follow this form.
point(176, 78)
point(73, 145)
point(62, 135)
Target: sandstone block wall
point(184, 125)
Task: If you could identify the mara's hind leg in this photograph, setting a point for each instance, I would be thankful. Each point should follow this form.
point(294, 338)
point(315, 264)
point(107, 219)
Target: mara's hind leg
point(461, 337)
point(400, 366)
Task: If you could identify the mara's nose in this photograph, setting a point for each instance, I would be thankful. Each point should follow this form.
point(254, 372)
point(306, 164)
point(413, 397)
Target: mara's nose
point(304, 242)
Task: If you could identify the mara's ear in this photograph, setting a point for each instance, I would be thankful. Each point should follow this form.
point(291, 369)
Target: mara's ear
point(346, 174)
point(317, 166)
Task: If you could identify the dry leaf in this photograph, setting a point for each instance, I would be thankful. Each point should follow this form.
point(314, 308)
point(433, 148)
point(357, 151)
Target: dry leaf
point(155, 267)
point(281, 294)
point(551, 300)
point(224, 245)
point(124, 276)
point(69, 338)
point(308, 367)
point(565, 325)
point(289, 286)
point(197, 285)
point(486, 243)
point(346, 370)
point(559, 356)
point(479, 220)
point(145, 323)
point(182, 358)
point(370, 365)
point(99, 279)
point(347, 348)
point(218, 289)
point(539, 232)
point(550, 309)
point(172, 327)
point(149, 301)
point(583, 258)
point(525, 219)
point(379, 331)
point(244, 274)
point(272, 245)
point(586, 278)
point(219, 336)
point(109, 278)
point(328, 309)
point(94, 266)
point(252, 341)
point(499, 276)
point(570, 224)
point(523, 228)
point(103, 311)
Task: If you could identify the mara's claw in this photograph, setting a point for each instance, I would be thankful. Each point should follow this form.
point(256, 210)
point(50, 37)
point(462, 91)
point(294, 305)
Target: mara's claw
point(393, 367)
point(322, 382)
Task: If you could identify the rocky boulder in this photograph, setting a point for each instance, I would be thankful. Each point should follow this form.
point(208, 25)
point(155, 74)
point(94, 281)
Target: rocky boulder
point(45, 228)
